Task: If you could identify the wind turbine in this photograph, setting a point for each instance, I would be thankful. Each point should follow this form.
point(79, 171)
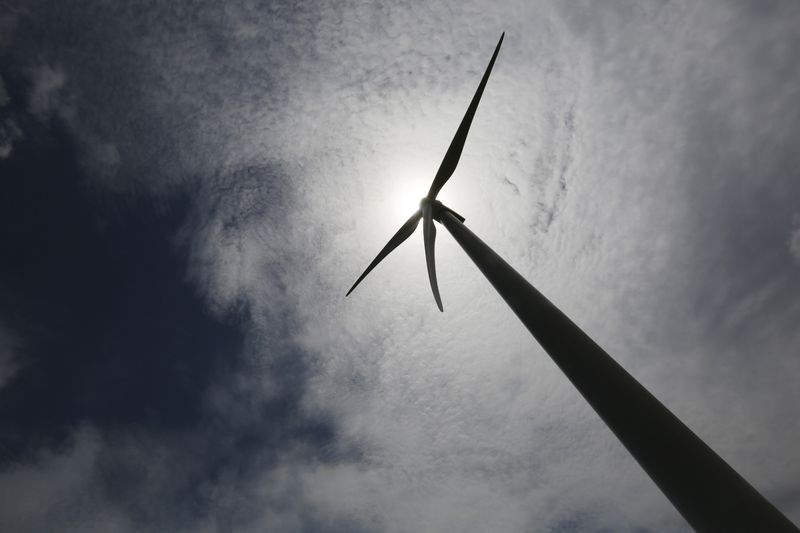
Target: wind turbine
point(709, 494)
point(430, 208)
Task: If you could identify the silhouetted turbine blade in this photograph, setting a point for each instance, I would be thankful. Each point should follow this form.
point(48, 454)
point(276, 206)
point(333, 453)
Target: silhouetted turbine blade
point(453, 154)
point(402, 234)
point(429, 236)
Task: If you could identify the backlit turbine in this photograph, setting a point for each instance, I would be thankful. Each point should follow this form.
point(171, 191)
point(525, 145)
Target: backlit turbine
point(429, 208)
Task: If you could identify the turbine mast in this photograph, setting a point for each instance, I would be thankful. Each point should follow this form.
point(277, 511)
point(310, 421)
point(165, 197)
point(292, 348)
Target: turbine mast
point(709, 494)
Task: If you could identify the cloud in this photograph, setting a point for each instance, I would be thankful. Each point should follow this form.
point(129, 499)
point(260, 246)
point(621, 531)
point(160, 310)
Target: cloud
point(636, 163)
point(9, 134)
point(794, 244)
point(60, 487)
point(47, 94)
point(9, 130)
point(654, 246)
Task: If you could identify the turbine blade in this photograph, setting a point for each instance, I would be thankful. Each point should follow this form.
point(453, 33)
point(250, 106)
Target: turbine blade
point(429, 234)
point(402, 234)
point(453, 154)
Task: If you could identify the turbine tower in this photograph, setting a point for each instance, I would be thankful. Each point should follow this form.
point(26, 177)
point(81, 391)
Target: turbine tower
point(709, 494)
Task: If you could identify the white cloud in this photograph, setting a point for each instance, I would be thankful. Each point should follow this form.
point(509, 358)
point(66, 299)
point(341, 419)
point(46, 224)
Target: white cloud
point(628, 160)
point(794, 243)
point(620, 250)
point(9, 134)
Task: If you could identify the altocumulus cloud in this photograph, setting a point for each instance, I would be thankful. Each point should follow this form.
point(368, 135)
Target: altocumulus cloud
point(234, 167)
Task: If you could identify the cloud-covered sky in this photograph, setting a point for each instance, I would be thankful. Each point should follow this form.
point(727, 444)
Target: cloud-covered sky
point(189, 188)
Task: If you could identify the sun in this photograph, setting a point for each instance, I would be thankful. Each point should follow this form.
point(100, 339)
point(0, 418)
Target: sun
point(409, 188)
point(406, 201)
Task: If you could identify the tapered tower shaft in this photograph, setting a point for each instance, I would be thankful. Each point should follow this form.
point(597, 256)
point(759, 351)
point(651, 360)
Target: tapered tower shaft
point(709, 494)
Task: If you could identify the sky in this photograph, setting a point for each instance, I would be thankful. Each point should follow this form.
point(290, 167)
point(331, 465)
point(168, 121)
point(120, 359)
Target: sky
point(189, 189)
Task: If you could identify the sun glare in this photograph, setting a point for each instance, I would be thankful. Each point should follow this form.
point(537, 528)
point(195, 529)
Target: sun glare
point(410, 188)
point(406, 201)
point(408, 191)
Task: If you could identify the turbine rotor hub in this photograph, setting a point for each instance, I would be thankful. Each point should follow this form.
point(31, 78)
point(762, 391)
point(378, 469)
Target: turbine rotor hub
point(437, 209)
